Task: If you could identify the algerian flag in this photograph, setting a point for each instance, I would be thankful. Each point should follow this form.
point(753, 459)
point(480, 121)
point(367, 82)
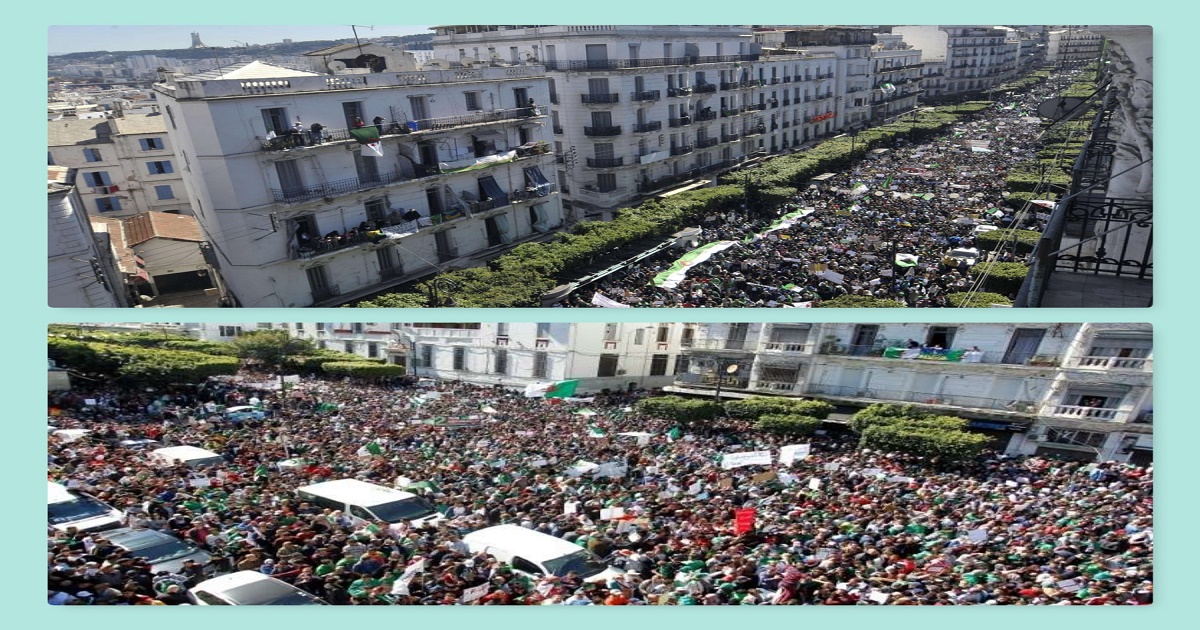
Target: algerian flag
point(261, 470)
point(594, 431)
point(560, 389)
point(906, 260)
point(887, 182)
point(887, 87)
point(586, 412)
point(374, 448)
point(674, 433)
point(368, 136)
point(858, 190)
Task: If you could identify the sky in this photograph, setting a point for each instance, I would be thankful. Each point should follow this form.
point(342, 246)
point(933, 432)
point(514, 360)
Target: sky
point(69, 39)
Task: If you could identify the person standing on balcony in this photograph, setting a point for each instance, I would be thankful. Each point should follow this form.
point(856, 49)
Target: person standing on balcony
point(378, 121)
point(316, 133)
point(357, 123)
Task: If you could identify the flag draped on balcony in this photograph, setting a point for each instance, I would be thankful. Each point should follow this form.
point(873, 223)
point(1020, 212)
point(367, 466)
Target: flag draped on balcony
point(559, 389)
point(369, 137)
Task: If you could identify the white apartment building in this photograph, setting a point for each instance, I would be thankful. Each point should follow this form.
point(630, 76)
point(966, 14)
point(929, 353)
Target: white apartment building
point(319, 219)
point(81, 272)
point(976, 58)
point(1073, 46)
point(601, 356)
point(125, 165)
point(896, 69)
point(638, 109)
point(1080, 390)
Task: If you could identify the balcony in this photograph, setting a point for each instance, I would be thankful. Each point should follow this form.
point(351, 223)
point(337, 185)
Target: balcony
point(732, 345)
point(645, 186)
point(334, 243)
point(653, 62)
point(1112, 363)
point(599, 99)
point(592, 193)
point(786, 102)
point(1089, 414)
point(558, 129)
point(647, 127)
point(1023, 407)
point(341, 187)
point(710, 380)
point(605, 162)
point(320, 294)
point(648, 95)
point(682, 149)
point(705, 114)
point(704, 143)
point(730, 137)
point(679, 91)
point(679, 122)
point(774, 386)
point(446, 255)
point(729, 85)
point(781, 346)
point(554, 98)
point(775, 80)
point(756, 107)
point(308, 138)
point(755, 131)
point(727, 113)
point(705, 88)
point(602, 131)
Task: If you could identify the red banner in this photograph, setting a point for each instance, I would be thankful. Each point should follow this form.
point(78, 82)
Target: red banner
point(743, 520)
point(820, 117)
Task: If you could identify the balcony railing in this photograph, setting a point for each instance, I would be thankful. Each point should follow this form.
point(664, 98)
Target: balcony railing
point(774, 386)
point(726, 113)
point(446, 255)
point(704, 143)
point(647, 127)
point(337, 187)
point(320, 294)
point(925, 398)
point(679, 91)
point(780, 346)
point(730, 137)
point(654, 62)
point(593, 193)
point(1112, 363)
point(705, 88)
point(754, 131)
point(602, 131)
point(605, 162)
point(737, 345)
point(710, 380)
point(558, 129)
point(600, 98)
point(1091, 414)
point(333, 243)
point(756, 107)
point(706, 114)
point(682, 149)
point(679, 122)
point(648, 95)
point(309, 138)
point(729, 85)
point(645, 186)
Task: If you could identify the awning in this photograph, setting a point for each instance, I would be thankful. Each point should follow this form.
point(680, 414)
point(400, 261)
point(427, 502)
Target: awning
point(493, 191)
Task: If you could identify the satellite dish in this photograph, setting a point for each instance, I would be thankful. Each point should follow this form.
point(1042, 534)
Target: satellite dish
point(1063, 108)
point(336, 66)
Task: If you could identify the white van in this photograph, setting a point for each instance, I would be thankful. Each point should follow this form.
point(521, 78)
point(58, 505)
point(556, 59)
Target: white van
point(537, 554)
point(249, 588)
point(66, 508)
point(364, 502)
point(190, 456)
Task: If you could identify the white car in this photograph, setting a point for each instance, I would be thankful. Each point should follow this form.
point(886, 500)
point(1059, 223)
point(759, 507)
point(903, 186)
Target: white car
point(982, 229)
point(952, 256)
point(250, 588)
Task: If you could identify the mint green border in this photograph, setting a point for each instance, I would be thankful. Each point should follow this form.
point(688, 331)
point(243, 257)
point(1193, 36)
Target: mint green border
point(24, 251)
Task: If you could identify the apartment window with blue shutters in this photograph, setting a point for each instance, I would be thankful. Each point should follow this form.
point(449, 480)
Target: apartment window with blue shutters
point(108, 204)
point(164, 192)
point(160, 168)
point(98, 178)
point(91, 155)
point(151, 144)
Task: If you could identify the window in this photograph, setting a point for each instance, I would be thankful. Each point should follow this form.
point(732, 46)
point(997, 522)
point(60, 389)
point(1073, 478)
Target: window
point(460, 359)
point(500, 365)
point(539, 365)
point(606, 182)
point(349, 347)
point(608, 365)
point(231, 331)
point(160, 167)
point(373, 350)
point(376, 211)
point(941, 336)
point(502, 329)
point(108, 204)
point(1094, 439)
point(543, 330)
point(682, 362)
point(664, 334)
point(164, 192)
point(97, 178)
point(426, 356)
point(320, 326)
point(358, 328)
point(473, 101)
point(299, 326)
point(658, 365)
point(525, 566)
point(639, 337)
point(688, 337)
point(151, 144)
point(366, 167)
point(1023, 346)
point(322, 345)
point(91, 155)
point(389, 262)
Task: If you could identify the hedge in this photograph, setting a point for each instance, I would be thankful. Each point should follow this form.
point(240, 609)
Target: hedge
point(977, 300)
point(859, 301)
point(687, 410)
point(946, 446)
point(1001, 277)
point(1021, 241)
point(793, 425)
point(887, 414)
point(362, 369)
point(759, 406)
point(134, 365)
point(314, 362)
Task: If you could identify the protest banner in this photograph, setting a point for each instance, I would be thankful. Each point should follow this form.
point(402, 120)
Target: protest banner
point(748, 458)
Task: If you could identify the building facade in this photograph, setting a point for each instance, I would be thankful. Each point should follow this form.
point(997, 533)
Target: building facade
point(1082, 390)
point(639, 109)
point(976, 58)
point(126, 164)
point(896, 70)
point(81, 271)
point(317, 218)
point(1072, 46)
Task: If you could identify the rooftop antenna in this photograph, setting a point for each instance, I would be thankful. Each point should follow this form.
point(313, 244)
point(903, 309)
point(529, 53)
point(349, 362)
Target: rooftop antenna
point(354, 29)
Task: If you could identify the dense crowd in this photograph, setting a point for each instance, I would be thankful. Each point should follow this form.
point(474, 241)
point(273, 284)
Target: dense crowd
point(873, 528)
point(916, 199)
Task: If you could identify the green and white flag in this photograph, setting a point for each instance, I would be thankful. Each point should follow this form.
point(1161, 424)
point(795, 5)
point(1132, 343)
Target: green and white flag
point(594, 431)
point(906, 260)
point(369, 137)
point(678, 270)
point(559, 389)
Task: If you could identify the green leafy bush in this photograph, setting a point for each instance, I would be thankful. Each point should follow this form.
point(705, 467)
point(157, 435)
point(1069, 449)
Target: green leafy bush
point(977, 300)
point(792, 425)
point(1001, 277)
point(686, 410)
point(859, 301)
point(903, 429)
point(1018, 241)
point(758, 406)
point(362, 369)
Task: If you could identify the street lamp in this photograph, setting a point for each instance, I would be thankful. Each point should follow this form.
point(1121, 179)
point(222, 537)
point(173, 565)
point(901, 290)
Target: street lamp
point(722, 369)
point(437, 288)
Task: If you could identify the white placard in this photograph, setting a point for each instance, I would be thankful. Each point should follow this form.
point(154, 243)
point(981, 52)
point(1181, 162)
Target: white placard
point(977, 535)
point(748, 458)
point(832, 467)
point(879, 597)
point(900, 479)
point(792, 452)
point(570, 507)
point(608, 514)
point(695, 488)
point(475, 592)
point(814, 484)
point(91, 402)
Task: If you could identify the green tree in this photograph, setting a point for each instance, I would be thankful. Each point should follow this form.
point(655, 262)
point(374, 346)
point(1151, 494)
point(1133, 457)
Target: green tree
point(270, 347)
point(792, 425)
point(686, 410)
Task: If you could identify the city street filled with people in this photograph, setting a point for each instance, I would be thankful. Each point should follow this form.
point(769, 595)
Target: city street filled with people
point(840, 236)
point(664, 520)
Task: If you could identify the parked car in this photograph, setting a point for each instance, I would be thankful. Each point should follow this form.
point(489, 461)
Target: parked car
point(953, 256)
point(163, 551)
point(68, 508)
point(249, 588)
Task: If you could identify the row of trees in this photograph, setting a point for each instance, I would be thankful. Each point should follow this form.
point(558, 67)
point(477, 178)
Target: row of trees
point(889, 428)
point(135, 359)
